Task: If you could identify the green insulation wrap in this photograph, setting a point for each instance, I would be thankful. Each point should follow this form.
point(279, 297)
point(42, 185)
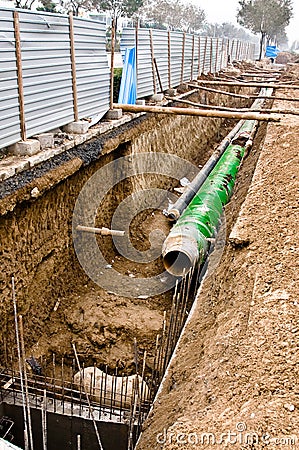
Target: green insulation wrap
point(188, 242)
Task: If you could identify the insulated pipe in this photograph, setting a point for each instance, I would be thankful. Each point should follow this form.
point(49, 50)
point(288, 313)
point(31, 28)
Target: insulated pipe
point(176, 210)
point(188, 241)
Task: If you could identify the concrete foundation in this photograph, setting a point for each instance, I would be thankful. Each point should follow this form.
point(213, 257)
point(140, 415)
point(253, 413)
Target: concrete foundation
point(80, 127)
point(46, 140)
point(171, 92)
point(114, 114)
point(157, 97)
point(30, 147)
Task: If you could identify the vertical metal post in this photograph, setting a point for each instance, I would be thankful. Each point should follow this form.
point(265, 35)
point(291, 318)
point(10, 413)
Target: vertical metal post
point(169, 60)
point(44, 420)
point(26, 381)
point(113, 32)
point(153, 60)
point(73, 63)
point(183, 58)
point(19, 74)
point(88, 400)
point(20, 365)
point(199, 69)
point(192, 62)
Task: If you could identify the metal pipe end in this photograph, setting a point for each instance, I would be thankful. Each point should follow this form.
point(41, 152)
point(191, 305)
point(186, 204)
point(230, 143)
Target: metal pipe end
point(180, 253)
point(177, 263)
point(173, 214)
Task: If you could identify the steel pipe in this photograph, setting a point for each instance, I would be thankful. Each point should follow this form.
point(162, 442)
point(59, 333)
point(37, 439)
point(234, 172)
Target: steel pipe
point(180, 205)
point(188, 241)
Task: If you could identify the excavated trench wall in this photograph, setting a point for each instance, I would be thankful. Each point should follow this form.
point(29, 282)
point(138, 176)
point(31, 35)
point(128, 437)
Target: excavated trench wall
point(36, 237)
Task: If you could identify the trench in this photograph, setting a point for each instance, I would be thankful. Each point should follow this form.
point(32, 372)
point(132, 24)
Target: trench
point(62, 306)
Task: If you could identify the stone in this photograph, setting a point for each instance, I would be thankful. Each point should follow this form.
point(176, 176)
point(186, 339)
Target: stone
point(7, 172)
point(46, 140)
point(22, 148)
point(157, 97)
point(80, 127)
point(140, 101)
point(35, 192)
point(114, 114)
point(171, 92)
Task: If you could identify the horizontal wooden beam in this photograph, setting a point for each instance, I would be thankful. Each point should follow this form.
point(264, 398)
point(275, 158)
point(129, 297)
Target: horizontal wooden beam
point(241, 110)
point(237, 84)
point(197, 112)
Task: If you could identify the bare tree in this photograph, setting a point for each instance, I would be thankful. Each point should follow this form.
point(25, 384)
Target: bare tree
point(174, 15)
point(265, 17)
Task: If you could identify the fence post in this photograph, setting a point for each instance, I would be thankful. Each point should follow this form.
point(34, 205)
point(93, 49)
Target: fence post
point(204, 55)
point(136, 53)
point(113, 32)
point(169, 60)
point(211, 55)
point(221, 55)
point(228, 56)
point(199, 70)
point(216, 58)
point(73, 63)
point(192, 63)
point(153, 60)
point(19, 74)
point(231, 50)
point(183, 58)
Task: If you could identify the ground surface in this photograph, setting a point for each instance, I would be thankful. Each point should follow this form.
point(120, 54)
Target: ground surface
point(235, 373)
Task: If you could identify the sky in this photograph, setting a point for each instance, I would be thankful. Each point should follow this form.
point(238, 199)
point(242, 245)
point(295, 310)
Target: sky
point(226, 10)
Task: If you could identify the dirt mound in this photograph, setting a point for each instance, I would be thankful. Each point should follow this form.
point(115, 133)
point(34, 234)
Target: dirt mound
point(286, 57)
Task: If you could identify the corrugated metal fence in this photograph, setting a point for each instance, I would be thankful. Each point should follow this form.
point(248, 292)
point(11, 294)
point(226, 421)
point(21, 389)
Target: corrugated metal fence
point(40, 75)
point(167, 58)
point(54, 68)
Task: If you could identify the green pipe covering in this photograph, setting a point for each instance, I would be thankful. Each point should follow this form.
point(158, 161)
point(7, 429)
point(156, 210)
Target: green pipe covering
point(188, 242)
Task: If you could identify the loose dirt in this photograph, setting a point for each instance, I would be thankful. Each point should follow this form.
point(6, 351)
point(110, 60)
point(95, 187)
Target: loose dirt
point(235, 372)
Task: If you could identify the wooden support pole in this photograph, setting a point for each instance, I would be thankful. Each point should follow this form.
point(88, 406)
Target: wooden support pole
point(211, 55)
point(192, 57)
point(205, 54)
point(136, 53)
point(153, 60)
point(73, 63)
point(225, 108)
point(20, 75)
point(222, 51)
point(238, 50)
point(237, 84)
point(216, 56)
point(198, 112)
point(158, 75)
point(199, 54)
point(217, 91)
point(169, 60)
point(228, 56)
point(113, 31)
point(103, 231)
point(183, 58)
